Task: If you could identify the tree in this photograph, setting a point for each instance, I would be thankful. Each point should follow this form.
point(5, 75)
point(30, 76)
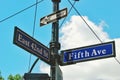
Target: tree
point(16, 77)
point(10, 77)
point(1, 78)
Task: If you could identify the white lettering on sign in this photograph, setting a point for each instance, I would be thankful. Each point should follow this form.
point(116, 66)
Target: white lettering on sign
point(46, 54)
point(62, 13)
point(39, 50)
point(23, 41)
point(98, 52)
point(33, 46)
point(86, 54)
point(53, 17)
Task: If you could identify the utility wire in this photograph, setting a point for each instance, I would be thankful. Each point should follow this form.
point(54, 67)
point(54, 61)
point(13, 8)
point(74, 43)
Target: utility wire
point(117, 60)
point(20, 11)
point(89, 27)
point(35, 18)
point(68, 14)
point(33, 37)
point(85, 22)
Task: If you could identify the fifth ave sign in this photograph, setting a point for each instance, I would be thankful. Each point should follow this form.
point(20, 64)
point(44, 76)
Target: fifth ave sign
point(93, 52)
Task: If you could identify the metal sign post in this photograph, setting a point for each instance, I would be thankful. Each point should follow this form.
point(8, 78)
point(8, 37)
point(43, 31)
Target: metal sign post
point(51, 56)
point(54, 44)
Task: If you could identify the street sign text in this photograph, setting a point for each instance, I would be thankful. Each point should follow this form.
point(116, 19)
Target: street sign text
point(93, 52)
point(53, 17)
point(26, 42)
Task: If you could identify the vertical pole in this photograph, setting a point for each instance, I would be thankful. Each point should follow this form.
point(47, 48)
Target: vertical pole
point(54, 44)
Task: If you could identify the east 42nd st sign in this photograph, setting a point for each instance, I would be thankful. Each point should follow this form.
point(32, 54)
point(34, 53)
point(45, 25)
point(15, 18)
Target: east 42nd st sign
point(26, 42)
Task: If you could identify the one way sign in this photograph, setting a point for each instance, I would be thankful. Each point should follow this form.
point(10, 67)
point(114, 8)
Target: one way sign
point(53, 17)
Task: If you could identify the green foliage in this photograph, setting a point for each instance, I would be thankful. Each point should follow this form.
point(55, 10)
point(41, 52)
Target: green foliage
point(1, 78)
point(16, 77)
point(11, 77)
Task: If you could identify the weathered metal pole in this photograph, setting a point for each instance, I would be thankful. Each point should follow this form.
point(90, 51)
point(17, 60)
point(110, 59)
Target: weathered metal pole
point(54, 44)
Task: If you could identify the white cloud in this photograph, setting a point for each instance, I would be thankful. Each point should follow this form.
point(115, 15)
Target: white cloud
point(75, 33)
point(44, 68)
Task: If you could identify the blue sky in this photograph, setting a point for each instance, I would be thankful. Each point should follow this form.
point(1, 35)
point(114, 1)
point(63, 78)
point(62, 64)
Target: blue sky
point(15, 60)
